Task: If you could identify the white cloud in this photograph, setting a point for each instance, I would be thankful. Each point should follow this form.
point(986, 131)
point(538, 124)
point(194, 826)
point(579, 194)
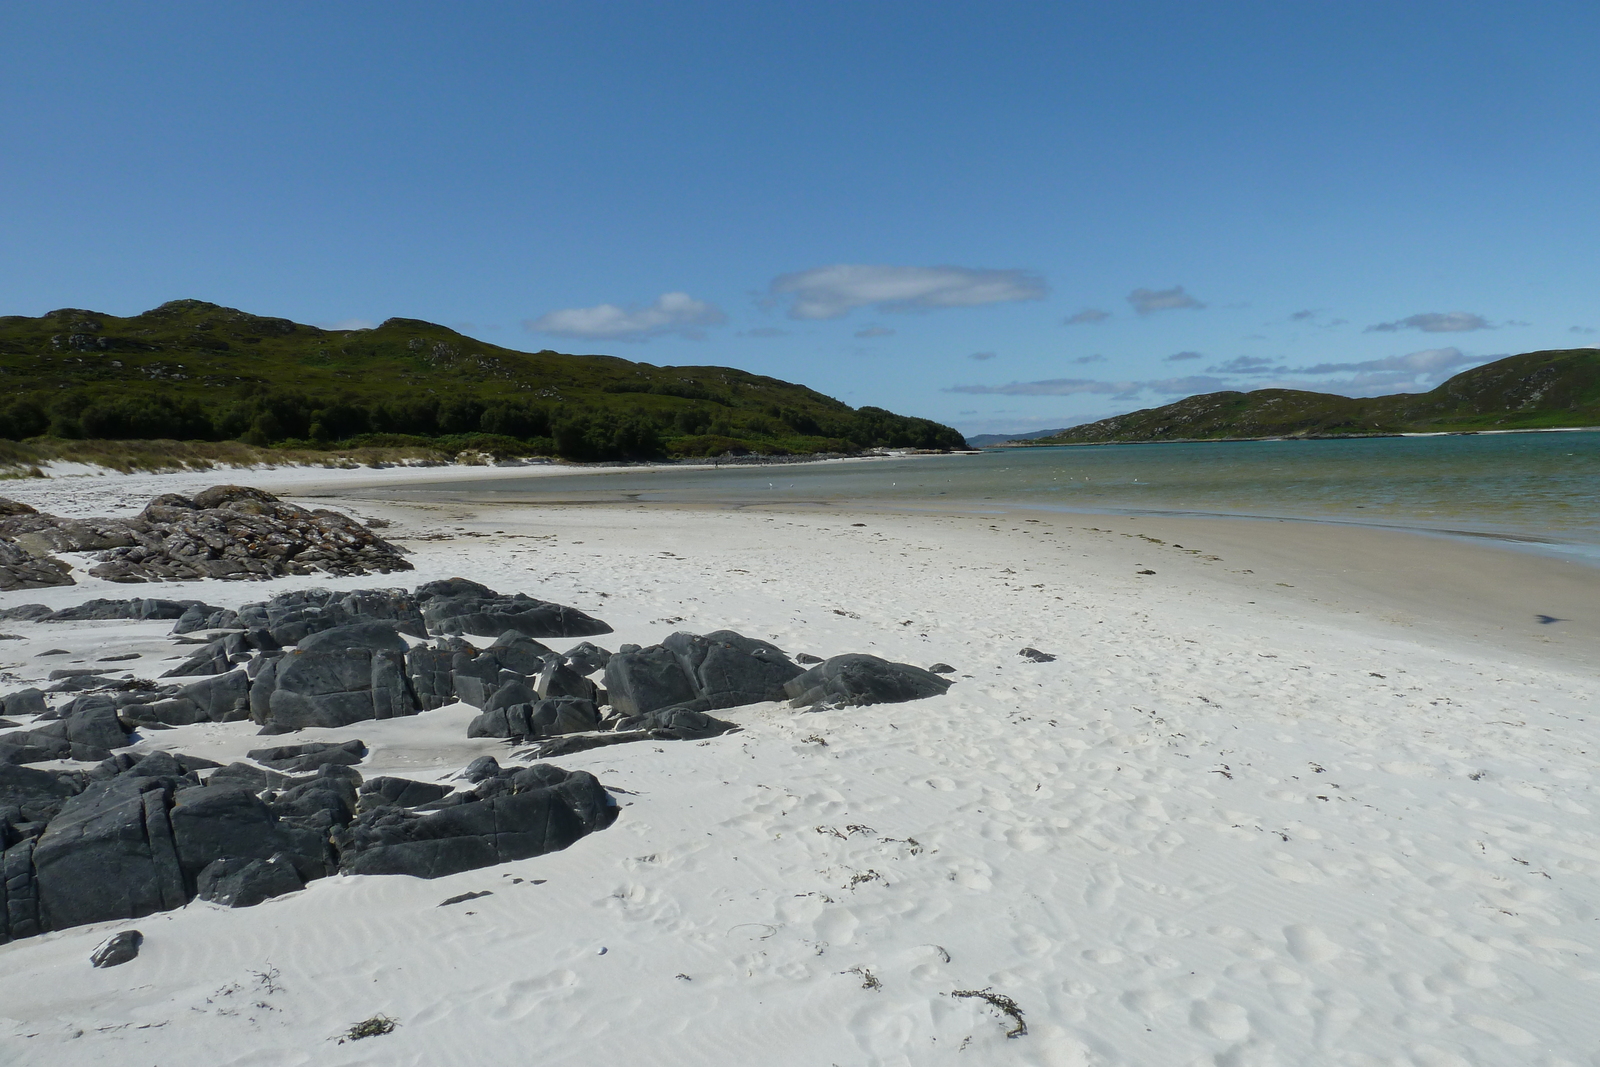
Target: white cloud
point(1436, 322)
point(1246, 365)
point(875, 331)
point(1428, 361)
point(677, 313)
point(348, 324)
point(1077, 386)
point(1087, 315)
point(833, 292)
point(1150, 301)
point(765, 331)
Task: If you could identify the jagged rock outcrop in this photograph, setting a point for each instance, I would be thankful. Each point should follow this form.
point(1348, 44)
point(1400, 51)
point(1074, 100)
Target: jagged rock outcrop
point(227, 531)
point(21, 569)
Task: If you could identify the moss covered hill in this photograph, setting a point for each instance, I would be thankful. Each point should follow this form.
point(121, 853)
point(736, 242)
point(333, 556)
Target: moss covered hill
point(1537, 390)
point(194, 371)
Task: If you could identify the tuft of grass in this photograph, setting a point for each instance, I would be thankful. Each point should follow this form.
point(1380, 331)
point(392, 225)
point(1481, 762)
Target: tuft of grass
point(376, 1026)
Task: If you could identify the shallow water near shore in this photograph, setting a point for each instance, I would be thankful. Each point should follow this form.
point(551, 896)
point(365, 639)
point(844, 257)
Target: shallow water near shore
point(1537, 490)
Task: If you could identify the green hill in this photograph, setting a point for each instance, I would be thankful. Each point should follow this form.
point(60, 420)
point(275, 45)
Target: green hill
point(1537, 390)
point(194, 371)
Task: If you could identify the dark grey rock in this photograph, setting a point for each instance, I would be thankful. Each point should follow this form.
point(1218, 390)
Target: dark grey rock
point(203, 617)
point(719, 670)
point(26, 613)
point(856, 680)
point(87, 730)
point(942, 668)
point(241, 883)
point(109, 854)
point(216, 821)
point(519, 653)
point(23, 702)
point(19, 886)
point(118, 949)
point(481, 768)
point(528, 813)
point(138, 608)
point(452, 587)
point(586, 658)
point(478, 614)
point(247, 776)
point(291, 617)
point(556, 679)
point(21, 569)
point(428, 670)
point(292, 759)
point(648, 679)
point(378, 636)
point(541, 718)
point(333, 688)
point(224, 698)
point(679, 724)
point(807, 658)
point(1036, 656)
point(401, 792)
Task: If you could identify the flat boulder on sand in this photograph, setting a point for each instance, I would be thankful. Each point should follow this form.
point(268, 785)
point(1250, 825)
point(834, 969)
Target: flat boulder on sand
point(857, 680)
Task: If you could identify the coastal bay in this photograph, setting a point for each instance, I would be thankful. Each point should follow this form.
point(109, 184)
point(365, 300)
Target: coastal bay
point(1334, 816)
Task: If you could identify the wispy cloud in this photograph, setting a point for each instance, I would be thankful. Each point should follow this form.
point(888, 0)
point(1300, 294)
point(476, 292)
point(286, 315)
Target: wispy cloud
point(764, 331)
point(1150, 301)
point(1302, 316)
point(1077, 386)
point(671, 313)
point(1580, 329)
point(1179, 357)
point(356, 324)
point(834, 291)
point(982, 356)
point(1086, 316)
point(1427, 361)
point(875, 331)
point(1435, 322)
point(1247, 365)
point(1090, 359)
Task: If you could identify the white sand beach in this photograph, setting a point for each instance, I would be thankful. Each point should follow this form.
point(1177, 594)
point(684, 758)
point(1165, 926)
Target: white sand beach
point(1303, 795)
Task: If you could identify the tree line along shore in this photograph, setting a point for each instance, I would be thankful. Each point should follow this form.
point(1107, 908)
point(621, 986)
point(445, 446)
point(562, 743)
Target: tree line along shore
point(193, 372)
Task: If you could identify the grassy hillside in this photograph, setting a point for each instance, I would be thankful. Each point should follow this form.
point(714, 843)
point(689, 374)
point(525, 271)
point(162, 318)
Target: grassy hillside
point(1537, 390)
point(194, 371)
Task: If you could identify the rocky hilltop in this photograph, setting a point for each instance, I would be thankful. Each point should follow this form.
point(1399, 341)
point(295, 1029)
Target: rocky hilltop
point(1537, 390)
point(193, 371)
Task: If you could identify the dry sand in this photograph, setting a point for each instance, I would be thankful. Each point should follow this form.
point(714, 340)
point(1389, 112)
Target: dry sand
point(1346, 819)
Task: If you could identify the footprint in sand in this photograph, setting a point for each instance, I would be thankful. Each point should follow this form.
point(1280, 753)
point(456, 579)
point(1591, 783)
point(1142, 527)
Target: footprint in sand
point(836, 926)
point(1308, 944)
point(1103, 884)
point(1221, 1019)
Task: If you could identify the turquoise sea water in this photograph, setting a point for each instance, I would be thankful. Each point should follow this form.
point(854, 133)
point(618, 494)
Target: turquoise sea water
point(1541, 489)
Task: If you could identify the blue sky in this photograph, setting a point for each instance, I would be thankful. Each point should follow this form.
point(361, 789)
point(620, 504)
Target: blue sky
point(1004, 216)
